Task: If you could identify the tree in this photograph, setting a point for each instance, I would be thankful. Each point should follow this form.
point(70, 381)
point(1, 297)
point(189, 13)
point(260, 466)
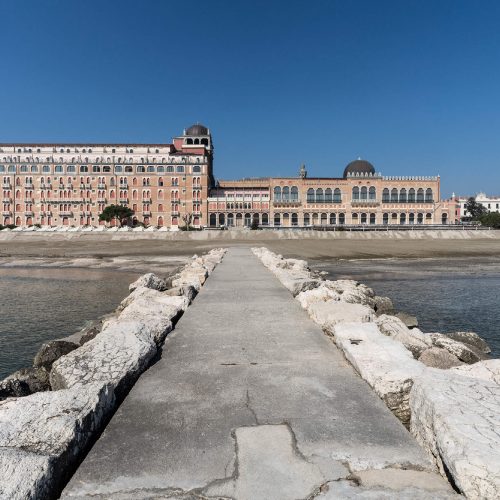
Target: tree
point(491, 219)
point(475, 209)
point(188, 220)
point(116, 212)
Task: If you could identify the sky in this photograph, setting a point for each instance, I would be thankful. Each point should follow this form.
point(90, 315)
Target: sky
point(413, 86)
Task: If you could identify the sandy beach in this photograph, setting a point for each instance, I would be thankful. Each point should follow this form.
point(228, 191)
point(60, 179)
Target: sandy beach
point(308, 245)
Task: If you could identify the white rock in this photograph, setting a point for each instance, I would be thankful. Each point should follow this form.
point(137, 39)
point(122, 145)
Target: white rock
point(387, 366)
point(414, 340)
point(116, 357)
point(330, 313)
point(41, 436)
point(488, 369)
point(461, 351)
point(457, 420)
point(149, 280)
point(320, 294)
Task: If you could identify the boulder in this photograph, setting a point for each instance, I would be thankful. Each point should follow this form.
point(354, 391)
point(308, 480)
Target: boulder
point(436, 357)
point(188, 291)
point(385, 364)
point(149, 280)
point(457, 419)
point(328, 314)
point(471, 339)
point(90, 333)
point(461, 351)
point(24, 382)
point(414, 340)
point(409, 320)
point(42, 435)
point(383, 305)
point(320, 294)
point(115, 358)
point(51, 351)
point(484, 370)
point(296, 283)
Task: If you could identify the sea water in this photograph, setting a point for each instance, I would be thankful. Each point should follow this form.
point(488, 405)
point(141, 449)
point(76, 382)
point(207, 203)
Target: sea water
point(40, 304)
point(446, 295)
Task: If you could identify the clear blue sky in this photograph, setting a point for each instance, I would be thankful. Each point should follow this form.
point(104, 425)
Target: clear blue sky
point(412, 86)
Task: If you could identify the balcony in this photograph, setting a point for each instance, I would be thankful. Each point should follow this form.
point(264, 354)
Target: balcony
point(403, 201)
point(28, 186)
point(123, 200)
point(29, 200)
point(101, 200)
point(365, 203)
point(174, 212)
point(7, 200)
point(6, 213)
point(146, 213)
point(65, 213)
point(324, 202)
point(284, 203)
point(101, 186)
point(29, 213)
point(197, 188)
point(6, 186)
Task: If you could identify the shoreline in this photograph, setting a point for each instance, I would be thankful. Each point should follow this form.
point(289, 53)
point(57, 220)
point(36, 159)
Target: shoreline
point(301, 244)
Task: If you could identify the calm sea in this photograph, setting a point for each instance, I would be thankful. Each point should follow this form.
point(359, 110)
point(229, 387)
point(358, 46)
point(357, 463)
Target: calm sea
point(446, 295)
point(40, 304)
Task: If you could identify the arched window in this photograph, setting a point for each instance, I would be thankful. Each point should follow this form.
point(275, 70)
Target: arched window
point(118, 168)
point(170, 168)
point(402, 219)
point(385, 218)
point(420, 195)
point(277, 193)
point(151, 168)
point(402, 196)
point(372, 218)
point(337, 195)
point(277, 220)
point(428, 195)
point(84, 168)
point(328, 195)
point(319, 196)
point(310, 195)
point(307, 220)
point(324, 219)
point(295, 220)
point(285, 194)
point(411, 218)
point(364, 193)
point(180, 169)
point(160, 169)
point(420, 218)
point(411, 196)
point(444, 218)
point(363, 218)
point(372, 193)
point(355, 193)
point(333, 219)
point(385, 196)
point(342, 219)
point(140, 169)
point(196, 169)
point(394, 195)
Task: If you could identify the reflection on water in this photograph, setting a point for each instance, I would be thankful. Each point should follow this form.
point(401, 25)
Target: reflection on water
point(445, 294)
point(39, 304)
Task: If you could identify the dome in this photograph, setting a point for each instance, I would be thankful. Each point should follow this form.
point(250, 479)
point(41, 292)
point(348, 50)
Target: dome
point(359, 166)
point(197, 130)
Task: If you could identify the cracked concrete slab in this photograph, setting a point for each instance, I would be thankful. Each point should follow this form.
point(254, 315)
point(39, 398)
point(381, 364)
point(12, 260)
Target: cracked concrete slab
point(244, 360)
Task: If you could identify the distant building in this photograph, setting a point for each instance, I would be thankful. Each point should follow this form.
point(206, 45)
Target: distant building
point(360, 196)
point(71, 184)
point(492, 204)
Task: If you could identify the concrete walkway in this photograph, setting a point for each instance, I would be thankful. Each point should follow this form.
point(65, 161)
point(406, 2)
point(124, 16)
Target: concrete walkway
point(252, 401)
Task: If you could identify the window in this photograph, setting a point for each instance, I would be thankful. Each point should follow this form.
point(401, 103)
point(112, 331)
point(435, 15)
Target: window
point(364, 196)
point(59, 169)
point(46, 169)
point(118, 168)
point(83, 168)
point(319, 196)
point(106, 169)
point(34, 169)
point(310, 195)
point(420, 195)
point(141, 169)
point(70, 168)
point(2, 168)
point(160, 169)
point(151, 168)
point(24, 168)
point(337, 195)
point(429, 197)
point(196, 169)
point(411, 196)
point(170, 168)
point(328, 195)
point(402, 196)
point(285, 193)
point(96, 169)
point(128, 169)
point(180, 168)
point(294, 193)
point(385, 195)
point(394, 195)
point(355, 194)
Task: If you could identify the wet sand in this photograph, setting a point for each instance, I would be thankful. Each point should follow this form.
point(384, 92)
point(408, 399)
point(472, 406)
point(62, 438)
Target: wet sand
point(352, 246)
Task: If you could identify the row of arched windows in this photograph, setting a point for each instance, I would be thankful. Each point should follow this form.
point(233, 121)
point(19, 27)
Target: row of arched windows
point(286, 193)
point(196, 169)
point(364, 193)
point(407, 196)
point(324, 196)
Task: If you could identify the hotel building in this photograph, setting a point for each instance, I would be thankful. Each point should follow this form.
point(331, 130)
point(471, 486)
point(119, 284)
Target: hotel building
point(165, 184)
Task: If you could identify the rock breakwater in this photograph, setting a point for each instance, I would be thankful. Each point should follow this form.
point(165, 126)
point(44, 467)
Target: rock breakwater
point(440, 386)
point(44, 434)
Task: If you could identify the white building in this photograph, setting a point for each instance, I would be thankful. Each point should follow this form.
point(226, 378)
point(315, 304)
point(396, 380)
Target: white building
point(492, 204)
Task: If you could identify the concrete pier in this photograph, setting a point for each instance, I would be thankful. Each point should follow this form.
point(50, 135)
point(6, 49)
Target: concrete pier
point(251, 400)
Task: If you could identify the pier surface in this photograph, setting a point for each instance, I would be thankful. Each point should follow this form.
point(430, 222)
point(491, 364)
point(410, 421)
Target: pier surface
point(251, 400)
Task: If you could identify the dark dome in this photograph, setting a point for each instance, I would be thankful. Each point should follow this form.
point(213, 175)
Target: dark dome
point(197, 130)
point(359, 167)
